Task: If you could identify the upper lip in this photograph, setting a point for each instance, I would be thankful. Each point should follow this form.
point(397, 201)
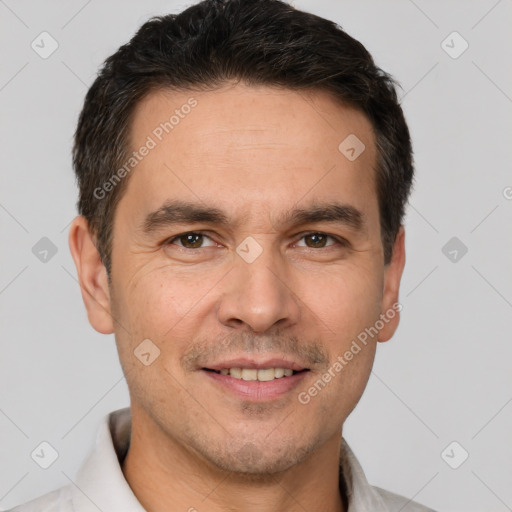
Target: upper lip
point(257, 363)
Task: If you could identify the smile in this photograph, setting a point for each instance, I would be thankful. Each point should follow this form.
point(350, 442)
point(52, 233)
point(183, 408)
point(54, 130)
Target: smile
point(264, 383)
point(260, 374)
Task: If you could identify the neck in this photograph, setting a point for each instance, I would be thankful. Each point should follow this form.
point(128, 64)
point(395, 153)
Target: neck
point(166, 476)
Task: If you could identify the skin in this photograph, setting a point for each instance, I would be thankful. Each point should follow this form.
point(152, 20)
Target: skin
point(256, 153)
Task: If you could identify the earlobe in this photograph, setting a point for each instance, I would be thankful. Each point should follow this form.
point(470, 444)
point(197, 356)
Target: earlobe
point(391, 306)
point(92, 276)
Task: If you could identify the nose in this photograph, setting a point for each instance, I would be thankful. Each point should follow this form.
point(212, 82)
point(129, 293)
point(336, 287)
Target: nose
point(259, 295)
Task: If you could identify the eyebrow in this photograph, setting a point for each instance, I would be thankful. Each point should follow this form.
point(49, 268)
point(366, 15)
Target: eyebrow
point(181, 212)
point(335, 213)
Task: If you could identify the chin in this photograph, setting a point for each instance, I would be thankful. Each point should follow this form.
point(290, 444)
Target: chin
point(257, 461)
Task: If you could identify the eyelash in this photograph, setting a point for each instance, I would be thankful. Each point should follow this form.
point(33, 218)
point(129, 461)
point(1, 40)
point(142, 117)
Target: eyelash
point(339, 241)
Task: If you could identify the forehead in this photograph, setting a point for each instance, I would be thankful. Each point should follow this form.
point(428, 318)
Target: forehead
point(248, 115)
point(249, 148)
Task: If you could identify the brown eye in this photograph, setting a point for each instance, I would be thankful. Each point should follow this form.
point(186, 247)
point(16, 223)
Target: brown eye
point(190, 240)
point(317, 240)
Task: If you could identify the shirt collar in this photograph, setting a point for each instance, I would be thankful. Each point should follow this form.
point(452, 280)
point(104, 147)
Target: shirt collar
point(360, 494)
point(100, 483)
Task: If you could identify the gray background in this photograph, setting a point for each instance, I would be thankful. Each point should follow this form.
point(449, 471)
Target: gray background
point(446, 375)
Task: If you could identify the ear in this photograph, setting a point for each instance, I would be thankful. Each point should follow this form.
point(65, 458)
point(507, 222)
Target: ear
point(92, 276)
point(392, 275)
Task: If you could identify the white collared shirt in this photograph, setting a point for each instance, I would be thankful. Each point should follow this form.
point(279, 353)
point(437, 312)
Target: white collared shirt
point(100, 483)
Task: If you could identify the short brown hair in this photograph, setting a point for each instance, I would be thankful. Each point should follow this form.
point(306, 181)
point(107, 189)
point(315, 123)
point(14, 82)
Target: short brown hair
point(263, 42)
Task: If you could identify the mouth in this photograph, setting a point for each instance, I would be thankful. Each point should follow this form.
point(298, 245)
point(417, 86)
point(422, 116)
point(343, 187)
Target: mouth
point(256, 381)
point(259, 374)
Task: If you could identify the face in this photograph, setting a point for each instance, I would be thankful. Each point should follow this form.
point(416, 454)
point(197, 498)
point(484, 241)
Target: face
point(247, 249)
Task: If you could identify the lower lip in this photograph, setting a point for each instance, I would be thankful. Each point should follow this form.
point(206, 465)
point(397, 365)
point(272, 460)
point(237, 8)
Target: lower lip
point(255, 390)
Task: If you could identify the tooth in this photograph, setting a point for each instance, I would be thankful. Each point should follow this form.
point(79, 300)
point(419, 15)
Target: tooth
point(249, 374)
point(266, 374)
point(236, 373)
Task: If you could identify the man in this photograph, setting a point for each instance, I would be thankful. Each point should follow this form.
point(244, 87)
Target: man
point(243, 170)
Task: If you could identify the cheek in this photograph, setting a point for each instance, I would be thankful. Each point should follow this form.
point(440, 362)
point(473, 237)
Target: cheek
point(160, 303)
point(153, 306)
point(347, 299)
point(349, 306)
